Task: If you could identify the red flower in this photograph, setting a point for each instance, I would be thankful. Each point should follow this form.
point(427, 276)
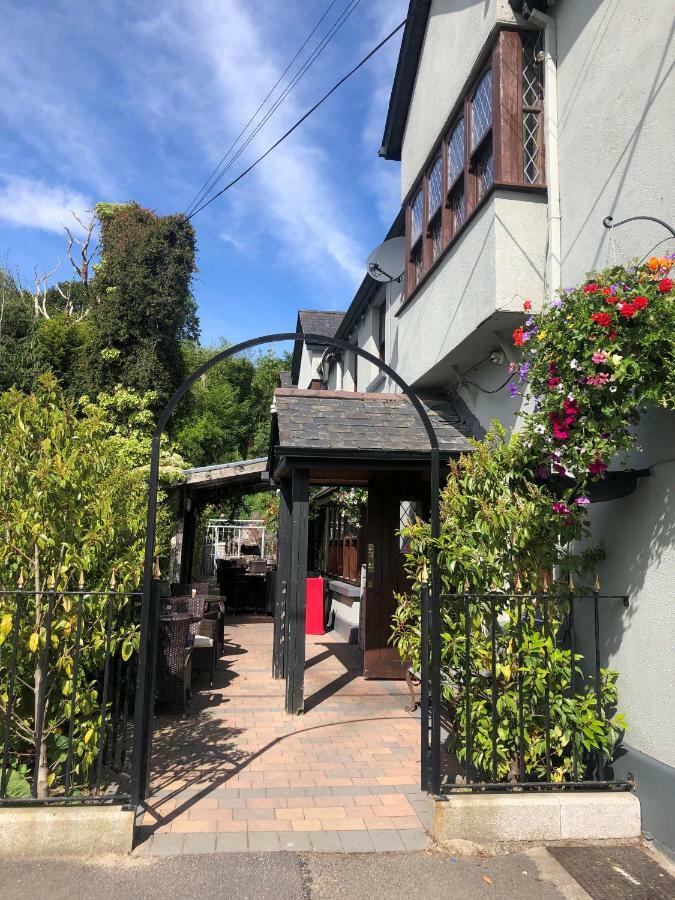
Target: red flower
point(518, 338)
point(613, 334)
point(627, 310)
point(602, 318)
point(665, 285)
point(611, 298)
point(560, 428)
point(571, 411)
point(606, 292)
point(554, 381)
point(640, 302)
point(527, 305)
point(597, 467)
point(551, 368)
point(591, 288)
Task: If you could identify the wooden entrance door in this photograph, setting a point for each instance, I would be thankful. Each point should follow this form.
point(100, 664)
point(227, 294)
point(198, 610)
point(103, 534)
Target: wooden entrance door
point(389, 500)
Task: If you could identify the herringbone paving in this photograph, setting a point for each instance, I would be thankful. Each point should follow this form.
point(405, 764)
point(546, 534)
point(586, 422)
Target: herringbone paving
point(240, 774)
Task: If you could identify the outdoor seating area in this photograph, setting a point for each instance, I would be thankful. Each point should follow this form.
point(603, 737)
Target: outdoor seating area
point(191, 626)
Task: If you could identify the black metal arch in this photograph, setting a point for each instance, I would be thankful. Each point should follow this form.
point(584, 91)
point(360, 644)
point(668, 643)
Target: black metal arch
point(430, 612)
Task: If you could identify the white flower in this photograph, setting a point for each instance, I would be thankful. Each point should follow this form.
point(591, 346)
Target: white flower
point(612, 389)
point(574, 364)
point(539, 429)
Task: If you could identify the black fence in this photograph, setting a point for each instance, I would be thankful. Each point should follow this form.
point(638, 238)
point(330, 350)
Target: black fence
point(68, 664)
point(514, 704)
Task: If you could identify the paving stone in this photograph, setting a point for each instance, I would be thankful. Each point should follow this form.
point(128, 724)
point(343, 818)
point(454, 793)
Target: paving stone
point(199, 843)
point(357, 841)
point(263, 840)
point(415, 840)
point(164, 845)
point(326, 842)
point(296, 841)
point(385, 841)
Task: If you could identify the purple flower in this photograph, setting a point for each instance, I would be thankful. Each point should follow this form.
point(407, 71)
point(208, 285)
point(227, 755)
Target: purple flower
point(569, 290)
point(524, 369)
point(529, 321)
point(557, 303)
point(582, 501)
point(513, 390)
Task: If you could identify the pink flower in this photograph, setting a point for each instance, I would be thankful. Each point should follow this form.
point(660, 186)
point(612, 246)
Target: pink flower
point(600, 356)
point(599, 380)
point(597, 467)
point(582, 501)
point(561, 508)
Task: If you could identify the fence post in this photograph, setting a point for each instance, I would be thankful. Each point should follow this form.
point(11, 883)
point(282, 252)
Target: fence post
point(424, 688)
point(145, 696)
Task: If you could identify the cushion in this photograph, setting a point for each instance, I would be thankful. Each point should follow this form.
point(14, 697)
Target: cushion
point(201, 640)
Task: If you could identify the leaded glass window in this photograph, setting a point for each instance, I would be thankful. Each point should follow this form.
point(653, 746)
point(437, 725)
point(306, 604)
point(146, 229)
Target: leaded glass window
point(436, 235)
point(481, 109)
point(458, 209)
point(533, 95)
point(416, 209)
point(456, 152)
point(435, 187)
point(484, 173)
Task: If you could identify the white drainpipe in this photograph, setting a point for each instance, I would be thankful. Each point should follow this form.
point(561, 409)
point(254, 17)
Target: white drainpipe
point(554, 250)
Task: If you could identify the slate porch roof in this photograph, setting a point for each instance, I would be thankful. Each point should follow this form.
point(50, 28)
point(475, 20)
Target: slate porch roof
point(338, 422)
point(318, 321)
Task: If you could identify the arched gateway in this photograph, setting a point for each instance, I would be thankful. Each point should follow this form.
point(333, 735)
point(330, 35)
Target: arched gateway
point(291, 584)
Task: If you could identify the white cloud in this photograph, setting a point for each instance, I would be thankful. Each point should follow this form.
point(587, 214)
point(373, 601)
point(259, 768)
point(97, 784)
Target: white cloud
point(27, 203)
point(218, 64)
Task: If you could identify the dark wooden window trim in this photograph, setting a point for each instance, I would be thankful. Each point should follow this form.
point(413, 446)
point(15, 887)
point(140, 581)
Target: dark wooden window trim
point(503, 140)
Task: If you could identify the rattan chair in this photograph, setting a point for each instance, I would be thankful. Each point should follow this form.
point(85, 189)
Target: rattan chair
point(174, 669)
point(205, 647)
point(179, 589)
point(201, 588)
point(194, 606)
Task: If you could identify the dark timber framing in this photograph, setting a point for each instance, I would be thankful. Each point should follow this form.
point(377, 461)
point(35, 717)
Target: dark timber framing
point(295, 599)
point(296, 595)
point(283, 578)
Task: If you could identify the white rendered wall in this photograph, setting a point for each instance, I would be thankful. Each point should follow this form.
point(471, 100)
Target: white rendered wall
point(495, 264)
point(456, 33)
point(310, 359)
point(617, 134)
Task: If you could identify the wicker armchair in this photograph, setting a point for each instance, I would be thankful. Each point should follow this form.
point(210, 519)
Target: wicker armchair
point(201, 588)
point(179, 589)
point(205, 647)
point(174, 662)
point(193, 606)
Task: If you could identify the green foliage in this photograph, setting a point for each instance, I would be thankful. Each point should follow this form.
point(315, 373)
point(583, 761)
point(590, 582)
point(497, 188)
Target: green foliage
point(19, 357)
point(227, 415)
point(74, 502)
point(145, 309)
point(498, 530)
point(62, 348)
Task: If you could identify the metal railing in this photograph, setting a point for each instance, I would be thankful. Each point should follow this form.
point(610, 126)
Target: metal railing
point(517, 706)
point(225, 539)
point(67, 688)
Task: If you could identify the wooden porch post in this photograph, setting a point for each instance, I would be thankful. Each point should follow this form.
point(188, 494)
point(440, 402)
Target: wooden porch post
point(296, 596)
point(187, 547)
point(283, 578)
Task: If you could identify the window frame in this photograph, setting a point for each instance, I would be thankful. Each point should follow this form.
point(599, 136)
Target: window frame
point(503, 140)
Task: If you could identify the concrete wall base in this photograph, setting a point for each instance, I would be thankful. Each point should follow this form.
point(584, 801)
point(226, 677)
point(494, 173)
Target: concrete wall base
point(65, 831)
point(591, 815)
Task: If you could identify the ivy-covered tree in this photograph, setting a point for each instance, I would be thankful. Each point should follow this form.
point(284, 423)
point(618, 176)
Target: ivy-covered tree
point(145, 308)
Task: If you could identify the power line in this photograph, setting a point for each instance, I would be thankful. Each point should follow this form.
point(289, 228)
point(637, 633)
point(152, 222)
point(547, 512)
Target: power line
point(207, 184)
point(300, 120)
point(217, 176)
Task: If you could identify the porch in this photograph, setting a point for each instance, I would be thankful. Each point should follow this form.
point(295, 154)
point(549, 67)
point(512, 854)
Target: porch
point(240, 773)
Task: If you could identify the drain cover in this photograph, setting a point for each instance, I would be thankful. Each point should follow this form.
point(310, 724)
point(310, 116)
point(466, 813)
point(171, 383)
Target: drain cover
point(616, 873)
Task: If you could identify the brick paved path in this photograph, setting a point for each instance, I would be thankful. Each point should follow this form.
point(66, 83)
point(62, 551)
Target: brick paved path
point(239, 773)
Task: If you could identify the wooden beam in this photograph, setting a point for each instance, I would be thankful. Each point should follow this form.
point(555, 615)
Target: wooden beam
point(283, 578)
point(296, 596)
point(187, 547)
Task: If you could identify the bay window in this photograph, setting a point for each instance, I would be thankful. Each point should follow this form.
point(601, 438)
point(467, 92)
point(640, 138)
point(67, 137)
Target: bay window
point(494, 138)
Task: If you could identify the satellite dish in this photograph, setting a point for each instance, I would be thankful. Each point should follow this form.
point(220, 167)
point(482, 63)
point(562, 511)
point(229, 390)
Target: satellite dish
point(387, 262)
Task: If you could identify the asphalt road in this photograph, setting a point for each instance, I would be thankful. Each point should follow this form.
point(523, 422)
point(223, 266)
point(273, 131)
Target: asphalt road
point(273, 876)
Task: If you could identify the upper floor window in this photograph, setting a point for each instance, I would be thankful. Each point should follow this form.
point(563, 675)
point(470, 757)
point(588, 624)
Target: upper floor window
point(494, 137)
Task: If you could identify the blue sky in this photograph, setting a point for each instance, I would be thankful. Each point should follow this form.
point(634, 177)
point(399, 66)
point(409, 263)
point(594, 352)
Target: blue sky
point(124, 100)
